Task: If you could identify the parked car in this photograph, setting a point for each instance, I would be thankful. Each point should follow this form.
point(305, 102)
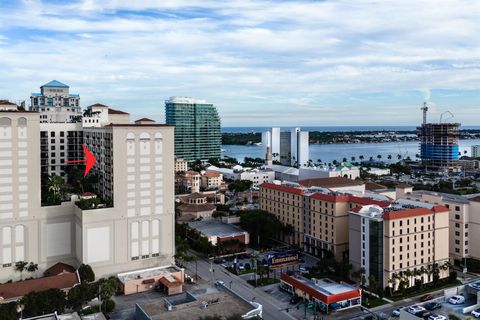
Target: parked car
point(415, 309)
point(396, 313)
point(219, 283)
point(423, 314)
point(432, 306)
point(241, 266)
point(476, 313)
point(437, 317)
point(457, 299)
point(247, 266)
point(475, 285)
point(304, 270)
point(426, 297)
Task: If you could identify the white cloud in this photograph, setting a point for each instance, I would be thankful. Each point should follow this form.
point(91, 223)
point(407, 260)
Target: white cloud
point(245, 55)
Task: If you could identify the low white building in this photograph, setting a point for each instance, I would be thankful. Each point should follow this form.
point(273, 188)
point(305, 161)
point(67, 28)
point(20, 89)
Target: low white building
point(257, 176)
point(296, 174)
point(378, 171)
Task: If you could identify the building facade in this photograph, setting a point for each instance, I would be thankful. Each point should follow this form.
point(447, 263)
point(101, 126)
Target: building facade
point(439, 145)
point(294, 148)
point(55, 103)
point(319, 216)
point(476, 151)
point(134, 227)
point(464, 220)
point(407, 236)
point(271, 143)
point(197, 128)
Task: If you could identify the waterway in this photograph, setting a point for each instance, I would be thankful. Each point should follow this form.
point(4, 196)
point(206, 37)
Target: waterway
point(329, 152)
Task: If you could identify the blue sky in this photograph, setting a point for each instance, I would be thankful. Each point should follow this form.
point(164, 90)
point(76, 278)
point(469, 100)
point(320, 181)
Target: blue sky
point(262, 63)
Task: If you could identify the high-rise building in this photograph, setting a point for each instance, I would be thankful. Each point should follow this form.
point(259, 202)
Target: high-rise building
point(476, 151)
point(197, 128)
point(405, 236)
point(60, 127)
point(55, 103)
point(294, 148)
point(438, 143)
point(131, 228)
point(271, 143)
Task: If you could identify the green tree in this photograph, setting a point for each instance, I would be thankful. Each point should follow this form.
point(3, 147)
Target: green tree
point(32, 267)
point(55, 187)
point(78, 296)
point(240, 185)
point(262, 226)
point(21, 266)
point(43, 302)
point(86, 273)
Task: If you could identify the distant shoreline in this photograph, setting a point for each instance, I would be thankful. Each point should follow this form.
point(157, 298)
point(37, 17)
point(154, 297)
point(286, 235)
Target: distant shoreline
point(344, 137)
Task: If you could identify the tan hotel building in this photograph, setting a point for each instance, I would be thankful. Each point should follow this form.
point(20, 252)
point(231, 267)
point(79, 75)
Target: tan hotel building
point(407, 235)
point(464, 219)
point(319, 216)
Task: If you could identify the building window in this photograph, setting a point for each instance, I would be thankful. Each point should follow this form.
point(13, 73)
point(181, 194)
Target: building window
point(457, 208)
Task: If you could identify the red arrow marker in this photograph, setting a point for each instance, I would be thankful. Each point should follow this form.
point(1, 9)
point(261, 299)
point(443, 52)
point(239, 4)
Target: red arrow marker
point(89, 160)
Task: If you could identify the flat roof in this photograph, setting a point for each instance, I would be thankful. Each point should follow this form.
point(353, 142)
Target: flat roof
point(226, 305)
point(213, 228)
point(147, 273)
point(326, 290)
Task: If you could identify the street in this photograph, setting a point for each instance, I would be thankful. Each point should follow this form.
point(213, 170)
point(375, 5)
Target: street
point(240, 287)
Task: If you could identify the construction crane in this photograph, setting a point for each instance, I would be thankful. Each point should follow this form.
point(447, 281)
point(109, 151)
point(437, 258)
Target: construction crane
point(448, 115)
point(424, 109)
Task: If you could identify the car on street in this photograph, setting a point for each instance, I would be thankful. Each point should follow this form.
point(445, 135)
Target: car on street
point(437, 317)
point(396, 313)
point(219, 283)
point(423, 314)
point(415, 309)
point(476, 313)
point(304, 270)
point(241, 266)
point(456, 299)
point(475, 285)
point(426, 297)
point(432, 306)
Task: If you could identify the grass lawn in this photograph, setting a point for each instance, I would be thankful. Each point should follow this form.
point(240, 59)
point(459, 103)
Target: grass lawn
point(424, 291)
point(263, 282)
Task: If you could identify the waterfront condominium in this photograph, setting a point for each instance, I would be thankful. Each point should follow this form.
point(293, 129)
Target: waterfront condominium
point(197, 128)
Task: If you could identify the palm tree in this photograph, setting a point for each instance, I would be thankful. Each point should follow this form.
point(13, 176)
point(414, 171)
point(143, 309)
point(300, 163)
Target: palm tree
point(353, 159)
point(389, 157)
point(392, 281)
point(361, 157)
point(379, 156)
point(32, 267)
point(21, 266)
point(344, 160)
point(55, 186)
point(399, 156)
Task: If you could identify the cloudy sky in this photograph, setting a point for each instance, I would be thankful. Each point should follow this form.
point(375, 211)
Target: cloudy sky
point(344, 62)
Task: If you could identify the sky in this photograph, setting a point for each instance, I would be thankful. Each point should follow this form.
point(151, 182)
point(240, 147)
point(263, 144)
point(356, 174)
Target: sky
point(262, 63)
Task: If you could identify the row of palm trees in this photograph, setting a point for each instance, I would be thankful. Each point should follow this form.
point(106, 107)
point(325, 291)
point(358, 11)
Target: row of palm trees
point(311, 163)
point(408, 278)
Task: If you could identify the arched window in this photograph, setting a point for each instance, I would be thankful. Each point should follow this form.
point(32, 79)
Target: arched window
point(5, 128)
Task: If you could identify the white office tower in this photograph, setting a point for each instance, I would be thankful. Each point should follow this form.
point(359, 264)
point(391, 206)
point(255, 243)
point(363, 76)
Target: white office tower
point(294, 148)
point(271, 138)
point(131, 229)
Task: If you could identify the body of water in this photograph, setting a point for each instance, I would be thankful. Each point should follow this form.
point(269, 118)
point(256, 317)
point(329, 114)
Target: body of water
point(331, 128)
point(329, 152)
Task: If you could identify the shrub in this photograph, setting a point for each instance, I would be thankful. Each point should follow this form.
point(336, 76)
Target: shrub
point(108, 306)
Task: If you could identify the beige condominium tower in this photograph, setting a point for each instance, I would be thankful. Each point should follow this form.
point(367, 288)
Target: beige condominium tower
point(132, 225)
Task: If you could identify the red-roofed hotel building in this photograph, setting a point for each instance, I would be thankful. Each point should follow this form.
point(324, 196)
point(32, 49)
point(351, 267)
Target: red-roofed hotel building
point(319, 219)
point(408, 235)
